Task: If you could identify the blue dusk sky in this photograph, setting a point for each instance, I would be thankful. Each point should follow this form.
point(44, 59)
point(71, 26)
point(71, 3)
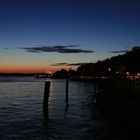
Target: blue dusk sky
point(41, 35)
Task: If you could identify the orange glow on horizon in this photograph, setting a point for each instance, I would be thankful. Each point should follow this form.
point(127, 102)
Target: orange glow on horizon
point(9, 69)
point(20, 70)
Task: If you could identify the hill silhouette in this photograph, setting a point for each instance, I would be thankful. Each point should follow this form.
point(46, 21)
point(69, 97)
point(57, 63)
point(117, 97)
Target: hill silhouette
point(117, 66)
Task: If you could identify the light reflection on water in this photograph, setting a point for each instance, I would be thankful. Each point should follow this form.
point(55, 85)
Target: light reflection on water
point(22, 118)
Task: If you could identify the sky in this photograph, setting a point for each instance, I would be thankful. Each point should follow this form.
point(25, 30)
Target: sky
point(47, 35)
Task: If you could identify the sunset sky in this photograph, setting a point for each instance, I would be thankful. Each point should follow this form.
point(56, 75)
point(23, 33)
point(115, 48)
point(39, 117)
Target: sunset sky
point(42, 35)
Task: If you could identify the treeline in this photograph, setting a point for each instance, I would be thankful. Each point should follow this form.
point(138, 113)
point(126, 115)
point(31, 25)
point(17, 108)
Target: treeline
point(124, 65)
point(65, 74)
point(121, 65)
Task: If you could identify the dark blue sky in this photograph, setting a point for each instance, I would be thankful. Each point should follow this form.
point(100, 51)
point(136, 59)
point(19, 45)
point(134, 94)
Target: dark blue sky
point(98, 25)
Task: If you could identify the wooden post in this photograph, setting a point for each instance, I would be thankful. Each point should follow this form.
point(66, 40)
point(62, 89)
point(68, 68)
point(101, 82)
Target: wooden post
point(67, 90)
point(94, 89)
point(46, 98)
point(95, 82)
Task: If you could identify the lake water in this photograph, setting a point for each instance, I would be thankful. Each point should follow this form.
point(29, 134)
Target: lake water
point(21, 116)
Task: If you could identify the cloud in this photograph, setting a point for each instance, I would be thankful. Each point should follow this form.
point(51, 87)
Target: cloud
point(58, 49)
point(60, 64)
point(123, 51)
point(78, 64)
point(6, 48)
point(69, 64)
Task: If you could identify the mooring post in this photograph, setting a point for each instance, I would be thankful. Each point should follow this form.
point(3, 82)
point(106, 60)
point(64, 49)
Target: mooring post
point(46, 98)
point(94, 86)
point(67, 90)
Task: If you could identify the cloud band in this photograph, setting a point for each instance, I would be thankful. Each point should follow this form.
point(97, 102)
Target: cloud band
point(58, 49)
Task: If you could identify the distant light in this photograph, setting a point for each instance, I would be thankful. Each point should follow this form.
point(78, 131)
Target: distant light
point(109, 69)
point(127, 73)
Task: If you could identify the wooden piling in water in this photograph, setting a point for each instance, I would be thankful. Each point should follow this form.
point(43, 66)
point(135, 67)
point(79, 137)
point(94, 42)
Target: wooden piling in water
point(67, 91)
point(94, 88)
point(46, 98)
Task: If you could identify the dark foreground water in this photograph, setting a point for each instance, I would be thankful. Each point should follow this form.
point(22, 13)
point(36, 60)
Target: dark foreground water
point(21, 116)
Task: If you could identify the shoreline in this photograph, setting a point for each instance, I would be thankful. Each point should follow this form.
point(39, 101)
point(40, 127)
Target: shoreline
point(121, 107)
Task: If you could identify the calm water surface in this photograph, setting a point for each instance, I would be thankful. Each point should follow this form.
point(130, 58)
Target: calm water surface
point(21, 114)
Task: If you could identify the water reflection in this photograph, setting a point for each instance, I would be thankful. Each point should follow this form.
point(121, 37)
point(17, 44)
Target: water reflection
point(21, 112)
point(80, 119)
point(66, 108)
